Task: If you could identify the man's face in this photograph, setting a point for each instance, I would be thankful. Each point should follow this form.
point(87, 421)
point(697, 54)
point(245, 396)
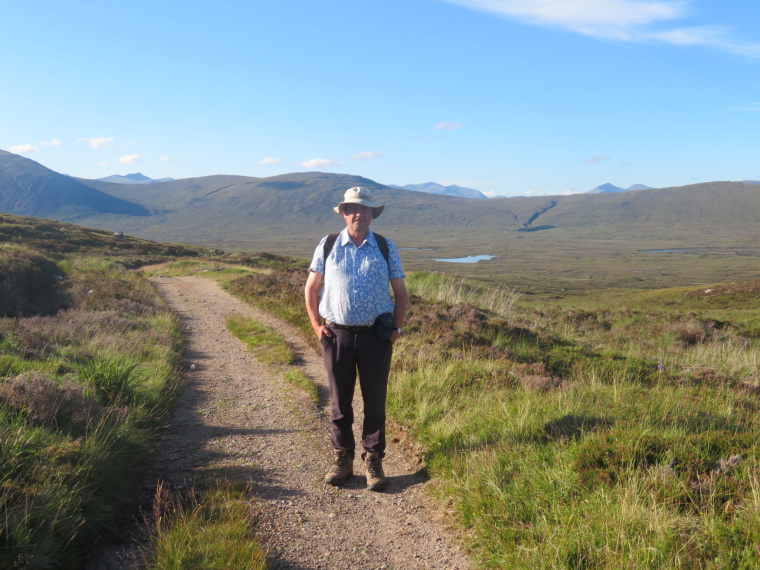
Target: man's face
point(357, 217)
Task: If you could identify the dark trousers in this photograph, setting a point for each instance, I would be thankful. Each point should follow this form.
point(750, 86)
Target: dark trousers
point(344, 354)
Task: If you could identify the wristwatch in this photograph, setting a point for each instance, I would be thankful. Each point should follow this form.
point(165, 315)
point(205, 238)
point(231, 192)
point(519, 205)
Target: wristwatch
point(399, 330)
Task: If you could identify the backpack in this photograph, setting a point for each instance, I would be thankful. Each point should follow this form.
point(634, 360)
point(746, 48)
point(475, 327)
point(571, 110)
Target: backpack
point(382, 243)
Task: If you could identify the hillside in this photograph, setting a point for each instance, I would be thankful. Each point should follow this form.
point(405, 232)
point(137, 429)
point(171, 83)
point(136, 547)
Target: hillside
point(29, 189)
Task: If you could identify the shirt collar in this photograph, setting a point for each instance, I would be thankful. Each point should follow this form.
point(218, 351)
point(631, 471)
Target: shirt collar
point(344, 239)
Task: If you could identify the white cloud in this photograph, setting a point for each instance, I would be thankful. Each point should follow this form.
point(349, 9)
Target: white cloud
point(367, 155)
point(447, 126)
point(621, 20)
point(595, 159)
point(51, 142)
point(97, 142)
point(129, 158)
point(269, 161)
point(601, 18)
point(23, 149)
point(320, 163)
point(166, 159)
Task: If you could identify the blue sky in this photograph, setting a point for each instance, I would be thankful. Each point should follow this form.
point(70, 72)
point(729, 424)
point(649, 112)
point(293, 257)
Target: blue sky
point(512, 97)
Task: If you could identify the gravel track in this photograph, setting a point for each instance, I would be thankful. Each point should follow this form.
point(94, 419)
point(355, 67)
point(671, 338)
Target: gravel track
point(241, 415)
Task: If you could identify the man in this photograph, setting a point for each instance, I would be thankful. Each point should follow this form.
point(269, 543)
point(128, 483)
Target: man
point(355, 273)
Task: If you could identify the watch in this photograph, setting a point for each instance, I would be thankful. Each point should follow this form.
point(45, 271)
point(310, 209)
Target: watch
point(399, 330)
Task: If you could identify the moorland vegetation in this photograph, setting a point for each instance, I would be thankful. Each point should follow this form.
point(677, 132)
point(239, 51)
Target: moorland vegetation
point(616, 429)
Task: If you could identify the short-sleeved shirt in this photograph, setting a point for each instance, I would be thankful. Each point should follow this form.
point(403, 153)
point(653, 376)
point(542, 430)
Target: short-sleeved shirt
point(356, 286)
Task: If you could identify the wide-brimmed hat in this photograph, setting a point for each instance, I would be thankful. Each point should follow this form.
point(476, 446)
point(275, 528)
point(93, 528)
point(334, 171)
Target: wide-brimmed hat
point(359, 195)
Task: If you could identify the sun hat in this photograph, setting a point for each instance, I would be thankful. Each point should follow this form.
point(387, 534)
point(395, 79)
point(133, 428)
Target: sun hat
point(359, 195)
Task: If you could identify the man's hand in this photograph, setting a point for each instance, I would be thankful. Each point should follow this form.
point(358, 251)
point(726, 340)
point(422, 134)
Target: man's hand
point(395, 336)
point(321, 331)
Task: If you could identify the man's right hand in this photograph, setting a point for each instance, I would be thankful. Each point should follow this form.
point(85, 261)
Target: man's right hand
point(323, 331)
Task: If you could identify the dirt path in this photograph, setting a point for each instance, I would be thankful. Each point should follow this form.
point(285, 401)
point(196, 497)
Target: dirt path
point(238, 414)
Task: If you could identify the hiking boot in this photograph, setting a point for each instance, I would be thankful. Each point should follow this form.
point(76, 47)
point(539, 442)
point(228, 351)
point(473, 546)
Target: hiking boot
point(373, 463)
point(342, 469)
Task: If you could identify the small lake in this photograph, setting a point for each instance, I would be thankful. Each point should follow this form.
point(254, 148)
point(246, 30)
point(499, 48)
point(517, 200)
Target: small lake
point(468, 259)
point(679, 250)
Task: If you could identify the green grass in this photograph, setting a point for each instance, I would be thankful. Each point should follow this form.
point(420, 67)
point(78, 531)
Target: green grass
point(209, 528)
point(265, 344)
point(299, 379)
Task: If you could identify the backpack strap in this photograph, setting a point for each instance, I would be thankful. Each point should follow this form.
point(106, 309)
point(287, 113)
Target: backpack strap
point(328, 245)
point(382, 243)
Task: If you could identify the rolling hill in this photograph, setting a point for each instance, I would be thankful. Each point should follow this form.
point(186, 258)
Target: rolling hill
point(29, 189)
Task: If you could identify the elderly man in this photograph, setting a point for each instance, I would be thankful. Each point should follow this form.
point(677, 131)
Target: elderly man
point(361, 323)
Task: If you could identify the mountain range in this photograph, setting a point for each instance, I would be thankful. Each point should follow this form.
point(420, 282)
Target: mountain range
point(285, 213)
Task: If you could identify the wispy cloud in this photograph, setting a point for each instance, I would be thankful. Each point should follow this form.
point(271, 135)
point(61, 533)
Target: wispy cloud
point(320, 163)
point(621, 20)
point(367, 155)
point(129, 158)
point(51, 142)
point(97, 142)
point(595, 159)
point(447, 126)
point(269, 161)
point(23, 149)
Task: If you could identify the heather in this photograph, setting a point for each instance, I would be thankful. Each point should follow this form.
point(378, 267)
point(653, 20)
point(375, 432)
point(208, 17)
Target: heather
point(86, 381)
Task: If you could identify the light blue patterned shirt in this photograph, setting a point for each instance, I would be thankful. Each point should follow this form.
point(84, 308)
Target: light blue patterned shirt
point(356, 287)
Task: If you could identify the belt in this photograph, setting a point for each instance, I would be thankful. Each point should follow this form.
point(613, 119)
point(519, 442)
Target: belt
point(349, 328)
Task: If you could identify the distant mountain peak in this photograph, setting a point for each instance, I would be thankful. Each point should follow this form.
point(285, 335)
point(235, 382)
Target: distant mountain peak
point(610, 188)
point(135, 178)
point(435, 188)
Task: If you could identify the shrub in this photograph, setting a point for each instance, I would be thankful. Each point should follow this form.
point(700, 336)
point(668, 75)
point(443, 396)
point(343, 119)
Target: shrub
point(45, 401)
point(27, 282)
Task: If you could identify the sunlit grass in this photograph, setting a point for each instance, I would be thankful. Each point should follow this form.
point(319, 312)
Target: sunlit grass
point(299, 379)
point(265, 344)
point(209, 528)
